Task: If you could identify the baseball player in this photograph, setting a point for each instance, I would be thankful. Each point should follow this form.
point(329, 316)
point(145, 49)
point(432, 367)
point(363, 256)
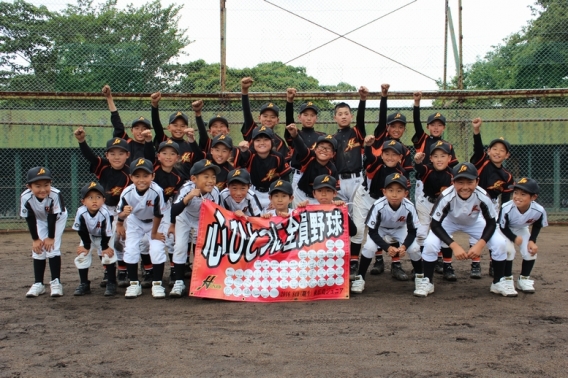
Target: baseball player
point(138, 126)
point(264, 164)
point(45, 213)
point(185, 215)
point(465, 207)
point(307, 116)
point(141, 208)
point(238, 197)
point(312, 162)
point(220, 154)
point(217, 126)
point(436, 176)
point(94, 226)
point(114, 175)
point(493, 177)
point(392, 221)
point(515, 218)
point(281, 196)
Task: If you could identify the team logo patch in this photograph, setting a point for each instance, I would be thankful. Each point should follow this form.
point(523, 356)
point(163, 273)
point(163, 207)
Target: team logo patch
point(77, 224)
point(169, 141)
point(24, 211)
point(401, 219)
point(115, 191)
point(438, 115)
point(263, 128)
point(523, 180)
point(278, 183)
point(141, 119)
point(271, 105)
point(179, 113)
point(41, 171)
point(310, 103)
point(237, 173)
point(207, 162)
point(186, 157)
point(392, 142)
point(396, 175)
point(222, 137)
point(270, 175)
point(116, 141)
point(92, 184)
point(463, 168)
point(439, 143)
point(149, 203)
point(397, 116)
point(329, 136)
point(325, 179)
point(140, 162)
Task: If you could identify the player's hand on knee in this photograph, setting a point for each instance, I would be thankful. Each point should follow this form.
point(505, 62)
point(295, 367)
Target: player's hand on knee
point(81, 249)
point(459, 252)
point(392, 251)
point(48, 244)
point(158, 236)
point(37, 246)
point(474, 252)
point(172, 230)
point(109, 252)
point(533, 248)
point(519, 240)
point(401, 251)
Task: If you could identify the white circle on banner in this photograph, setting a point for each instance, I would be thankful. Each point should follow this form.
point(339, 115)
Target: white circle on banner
point(339, 271)
point(274, 264)
point(339, 243)
point(312, 254)
point(312, 273)
point(320, 263)
point(237, 292)
point(293, 264)
point(302, 254)
point(264, 293)
point(339, 280)
point(322, 273)
point(264, 283)
point(246, 292)
point(265, 274)
point(273, 283)
point(274, 293)
point(256, 283)
point(284, 274)
point(257, 264)
point(321, 254)
point(255, 293)
point(239, 273)
point(293, 284)
point(303, 274)
point(322, 282)
point(330, 254)
point(339, 262)
point(330, 282)
point(238, 282)
point(303, 284)
point(228, 291)
point(284, 264)
point(313, 283)
point(230, 272)
point(228, 281)
point(329, 263)
point(329, 244)
point(265, 264)
point(257, 274)
point(248, 273)
point(330, 272)
point(340, 253)
point(294, 274)
point(274, 274)
point(312, 264)
point(284, 284)
point(303, 264)
point(247, 282)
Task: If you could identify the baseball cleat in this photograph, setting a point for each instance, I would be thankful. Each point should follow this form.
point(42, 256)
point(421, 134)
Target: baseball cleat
point(110, 289)
point(56, 288)
point(491, 272)
point(353, 268)
point(378, 266)
point(172, 278)
point(36, 290)
point(525, 284)
point(439, 265)
point(134, 290)
point(147, 279)
point(158, 290)
point(82, 289)
point(475, 270)
point(122, 278)
point(358, 285)
point(449, 273)
point(178, 289)
point(398, 273)
point(422, 286)
point(504, 287)
point(104, 280)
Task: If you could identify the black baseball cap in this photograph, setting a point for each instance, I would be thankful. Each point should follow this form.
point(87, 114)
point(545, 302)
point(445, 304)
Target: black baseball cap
point(465, 170)
point(169, 143)
point(393, 145)
point(329, 139)
point(396, 178)
point(38, 173)
point(436, 116)
point(218, 118)
point(143, 121)
point(528, 185)
point(177, 115)
point(308, 105)
point(281, 186)
point(263, 130)
point(203, 165)
point(143, 164)
point(222, 139)
point(117, 143)
point(440, 145)
point(90, 187)
point(502, 141)
point(396, 117)
point(270, 106)
point(240, 175)
point(325, 181)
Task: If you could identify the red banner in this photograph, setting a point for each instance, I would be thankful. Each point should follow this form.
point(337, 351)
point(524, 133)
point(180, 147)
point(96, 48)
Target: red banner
point(300, 258)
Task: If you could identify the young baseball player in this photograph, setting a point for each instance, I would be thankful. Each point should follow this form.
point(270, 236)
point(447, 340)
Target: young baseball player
point(114, 175)
point(392, 223)
point(264, 164)
point(141, 208)
point(217, 126)
point(312, 162)
point(464, 207)
point(436, 176)
point(515, 218)
point(238, 197)
point(94, 225)
point(185, 215)
point(493, 177)
point(436, 125)
point(138, 126)
point(45, 213)
point(220, 153)
point(267, 118)
point(378, 168)
point(281, 197)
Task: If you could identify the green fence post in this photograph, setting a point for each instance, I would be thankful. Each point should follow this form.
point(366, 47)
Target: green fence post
point(556, 183)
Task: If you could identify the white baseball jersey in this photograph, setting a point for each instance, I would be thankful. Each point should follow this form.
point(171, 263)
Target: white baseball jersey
point(193, 208)
point(97, 225)
point(460, 211)
point(383, 215)
point(52, 204)
point(250, 205)
point(146, 206)
point(513, 218)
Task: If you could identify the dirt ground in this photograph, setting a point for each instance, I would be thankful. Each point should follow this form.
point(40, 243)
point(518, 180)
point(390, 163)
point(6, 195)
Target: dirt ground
point(462, 330)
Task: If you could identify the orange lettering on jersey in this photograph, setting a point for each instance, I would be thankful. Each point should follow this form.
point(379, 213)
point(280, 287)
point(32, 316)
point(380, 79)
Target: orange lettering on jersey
point(352, 144)
point(149, 203)
point(474, 209)
point(401, 219)
point(529, 221)
point(270, 175)
point(169, 190)
point(220, 185)
point(186, 157)
point(98, 225)
point(115, 191)
point(497, 186)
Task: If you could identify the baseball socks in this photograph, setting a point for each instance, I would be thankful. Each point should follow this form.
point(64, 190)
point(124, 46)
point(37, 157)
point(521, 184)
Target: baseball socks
point(148, 270)
point(85, 285)
point(354, 260)
point(448, 269)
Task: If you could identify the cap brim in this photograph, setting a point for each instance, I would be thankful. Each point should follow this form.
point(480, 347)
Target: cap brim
point(239, 179)
point(212, 166)
point(223, 143)
point(261, 134)
point(141, 168)
point(524, 188)
point(222, 120)
point(396, 120)
point(83, 195)
point(38, 178)
point(117, 146)
point(392, 149)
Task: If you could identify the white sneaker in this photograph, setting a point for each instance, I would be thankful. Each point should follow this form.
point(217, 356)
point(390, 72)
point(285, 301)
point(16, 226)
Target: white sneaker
point(525, 284)
point(504, 287)
point(178, 289)
point(37, 289)
point(158, 290)
point(358, 285)
point(133, 290)
point(56, 288)
point(422, 286)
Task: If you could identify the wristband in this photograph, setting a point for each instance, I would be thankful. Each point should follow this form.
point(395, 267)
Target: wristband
point(120, 220)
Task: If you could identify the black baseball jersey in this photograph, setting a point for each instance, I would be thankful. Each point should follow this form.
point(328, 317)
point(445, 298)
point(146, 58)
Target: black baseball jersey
point(264, 171)
point(98, 224)
point(45, 210)
point(495, 180)
point(435, 182)
point(137, 149)
point(112, 180)
point(423, 141)
point(278, 144)
point(170, 182)
point(221, 177)
point(348, 158)
point(377, 172)
point(310, 167)
point(309, 135)
point(250, 205)
point(205, 141)
point(511, 218)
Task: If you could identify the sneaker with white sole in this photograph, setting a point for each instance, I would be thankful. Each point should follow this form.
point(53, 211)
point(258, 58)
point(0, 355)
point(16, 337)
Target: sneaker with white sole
point(36, 290)
point(134, 290)
point(504, 287)
point(56, 288)
point(358, 285)
point(422, 286)
point(158, 291)
point(525, 284)
point(510, 281)
point(178, 289)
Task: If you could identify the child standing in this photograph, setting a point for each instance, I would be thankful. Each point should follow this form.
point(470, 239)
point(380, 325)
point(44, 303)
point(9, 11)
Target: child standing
point(515, 218)
point(217, 126)
point(281, 196)
point(238, 196)
point(220, 154)
point(45, 213)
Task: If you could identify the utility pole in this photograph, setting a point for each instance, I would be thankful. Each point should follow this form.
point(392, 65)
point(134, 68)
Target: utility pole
point(223, 74)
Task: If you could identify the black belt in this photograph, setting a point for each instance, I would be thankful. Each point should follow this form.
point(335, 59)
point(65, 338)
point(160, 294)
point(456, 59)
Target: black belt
point(146, 220)
point(346, 176)
point(262, 190)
